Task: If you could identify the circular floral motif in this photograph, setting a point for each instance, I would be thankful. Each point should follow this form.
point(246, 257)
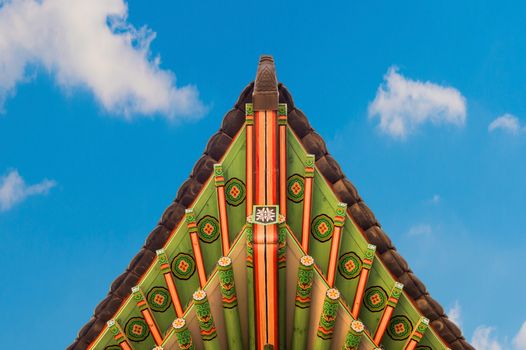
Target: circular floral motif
point(208, 229)
point(136, 329)
point(224, 261)
point(307, 260)
point(183, 266)
point(178, 323)
point(296, 188)
point(357, 326)
point(112, 347)
point(235, 192)
point(322, 228)
point(199, 295)
point(159, 299)
point(350, 265)
point(333, 293)
point(399, 328)
point(375, 298)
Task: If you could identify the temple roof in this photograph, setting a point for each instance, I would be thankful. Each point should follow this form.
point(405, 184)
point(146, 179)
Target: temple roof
point(263, 94)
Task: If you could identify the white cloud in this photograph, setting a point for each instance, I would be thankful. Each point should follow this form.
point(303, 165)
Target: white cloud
point(403, 105)
point(520, 339)
point(435, 199)
point(483, 339)
point(506, 122)
point(89, 44)
point(14, 190)
point(420, 230)
point(455, 314)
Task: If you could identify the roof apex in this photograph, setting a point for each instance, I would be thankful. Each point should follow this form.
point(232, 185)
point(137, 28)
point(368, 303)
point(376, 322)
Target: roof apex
point(265, 96)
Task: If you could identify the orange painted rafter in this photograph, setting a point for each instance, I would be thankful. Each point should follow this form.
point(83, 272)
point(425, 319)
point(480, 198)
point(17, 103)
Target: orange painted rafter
point(362, 282)
point(339, 221)
point(221, 203)
point(164, 265)
point(307, 202)
point(144, 308)
point(388, 312)
point(199, 262)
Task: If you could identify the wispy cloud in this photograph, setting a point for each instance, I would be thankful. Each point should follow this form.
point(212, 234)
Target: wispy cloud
point(507, 123)
point(14, 190)
point(455, 314)
point(436, 199)
point(483, 339)
point(403, 105)
point(420, 230)
point(520, 339)
point(90, 44)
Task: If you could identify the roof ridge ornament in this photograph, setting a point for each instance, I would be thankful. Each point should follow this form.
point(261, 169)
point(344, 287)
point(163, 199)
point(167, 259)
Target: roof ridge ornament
point(265, 95)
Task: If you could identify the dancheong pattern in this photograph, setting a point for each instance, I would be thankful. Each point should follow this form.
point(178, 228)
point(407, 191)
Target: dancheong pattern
point(208, 229)
point(183, 266)
point(136, 329)
point(328, 314)
point(296, 188)
point(112, 347)
point(204, 316)
point(235, 192)
point(184, 338)
point(423, 347)
point(265, 214)
point(375, 298)
point(400, 328)
point(322, 228)
point(304, 285)
point(350, 265)
point(159, 299)
point(226, 282)
point(250, 246)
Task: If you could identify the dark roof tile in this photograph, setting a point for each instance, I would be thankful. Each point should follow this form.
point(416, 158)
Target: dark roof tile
point(232, 122)
point(203, 168)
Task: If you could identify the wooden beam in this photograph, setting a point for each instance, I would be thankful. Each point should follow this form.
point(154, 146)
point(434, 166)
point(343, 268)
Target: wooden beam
point(249, 234)
point(300, 330)
point(396, 292)
point(182, 334)
point(249, 115)
point(144, 308)
point(417, 334)
point(206, 321)
point(230, 306)
point(192, 229)
point(307, 202)
point(164, 265)
point(282, 122)
point(266, 210)
point(339, 221)
point(282, 279)
point(362, 282)
point(266, 235)
point(324, 333)
point(221, 204)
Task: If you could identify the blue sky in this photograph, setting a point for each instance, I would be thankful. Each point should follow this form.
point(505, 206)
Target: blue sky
point(421, 103)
